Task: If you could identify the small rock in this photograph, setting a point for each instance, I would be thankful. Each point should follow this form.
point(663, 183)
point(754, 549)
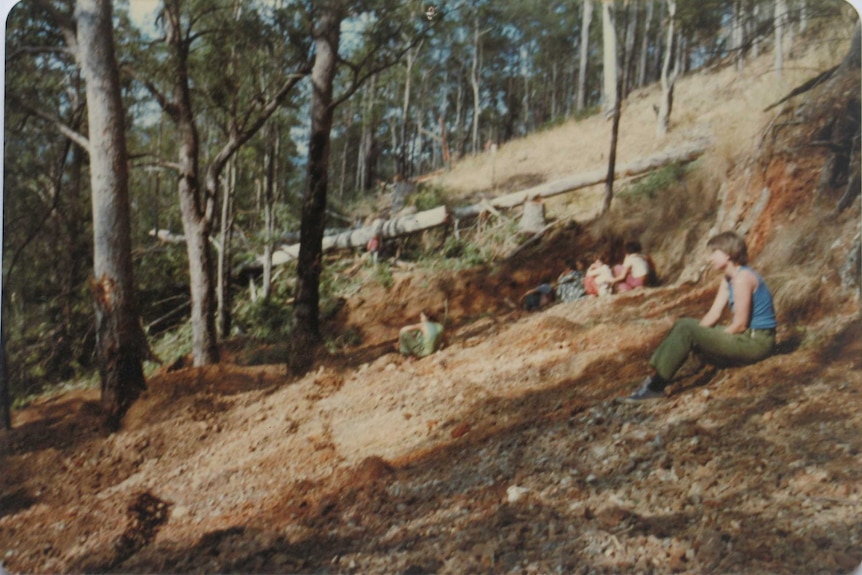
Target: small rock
point(514, 493)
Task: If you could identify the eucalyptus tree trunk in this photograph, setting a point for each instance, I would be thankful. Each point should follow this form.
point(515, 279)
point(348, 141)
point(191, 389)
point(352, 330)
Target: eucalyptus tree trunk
point(609, 58)
point(668, 77)
point(803, 16)
point(223, 276)
point(305, 328)
point(642, 64)
point(367, 142)
point(196, 209)
point(459, 118)
point(405, 109)
point(272, 145)
point(755, 44)
point(628, 59)
point(780, 18)
point(121, 344)
point(586, 20)
point(736, 35)
point(474, 83)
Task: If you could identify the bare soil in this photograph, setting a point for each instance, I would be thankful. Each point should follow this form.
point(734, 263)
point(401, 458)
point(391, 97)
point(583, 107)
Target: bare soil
point(505, 452)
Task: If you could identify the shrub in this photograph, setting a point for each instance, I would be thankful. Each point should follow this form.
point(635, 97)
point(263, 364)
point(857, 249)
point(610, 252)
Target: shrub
point(264, 319)
point(658, 181)
point(428, 196)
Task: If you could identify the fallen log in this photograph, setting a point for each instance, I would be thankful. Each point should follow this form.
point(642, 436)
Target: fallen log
point(685, 153)
point(358, 238)
point(405, 225)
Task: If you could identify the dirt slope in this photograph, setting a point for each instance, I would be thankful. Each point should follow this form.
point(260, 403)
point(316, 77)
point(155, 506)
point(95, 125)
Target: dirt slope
point(505, 452)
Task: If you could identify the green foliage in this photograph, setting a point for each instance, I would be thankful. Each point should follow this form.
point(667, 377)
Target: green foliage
point(170, 346)
point(264, 319)
point(160, 266)
point(656, 182)
point(428, 196)
point(350, 337)
point(383, 275)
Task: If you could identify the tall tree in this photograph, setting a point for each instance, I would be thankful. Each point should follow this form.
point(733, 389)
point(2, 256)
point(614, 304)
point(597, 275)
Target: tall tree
point(121, 342)
point(249, 107)
point(386, 46)
point(305, 331)
point(645, 42)
point(780, 20)
point(584, 55)
point(668, 76)
point(609, 58)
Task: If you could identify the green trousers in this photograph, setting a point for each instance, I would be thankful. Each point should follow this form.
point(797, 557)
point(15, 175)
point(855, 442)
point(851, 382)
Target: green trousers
point(713, 343)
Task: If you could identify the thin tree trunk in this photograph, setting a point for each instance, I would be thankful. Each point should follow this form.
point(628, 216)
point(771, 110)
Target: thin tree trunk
point(459, 119)
point(609, 58)
point(268, 212)
point(195, 208)
point(736, 35)
point(305, 330)
point(642, 64)
point(660, 50)
point(224, 312)
point(668, 77)
point(629, 51)
point(755, 40)
point(474, 83)
point(803, 16)
point(405, 108)
point(615, 130)
point(121, 344)
point(586, 20)
point(780, 18)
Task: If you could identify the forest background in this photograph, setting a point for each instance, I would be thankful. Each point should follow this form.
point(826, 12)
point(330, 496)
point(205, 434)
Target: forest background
point(240, 135)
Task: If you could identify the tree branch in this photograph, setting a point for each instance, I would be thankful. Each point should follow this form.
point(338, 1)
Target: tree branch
point(64, 128)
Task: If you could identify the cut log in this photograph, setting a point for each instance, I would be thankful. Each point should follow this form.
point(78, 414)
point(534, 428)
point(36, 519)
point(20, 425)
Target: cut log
point(410, 224)
point(359, 237)
point(685, 153)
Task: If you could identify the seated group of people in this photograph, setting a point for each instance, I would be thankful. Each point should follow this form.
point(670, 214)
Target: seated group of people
point(636, 271)
point(599, 279)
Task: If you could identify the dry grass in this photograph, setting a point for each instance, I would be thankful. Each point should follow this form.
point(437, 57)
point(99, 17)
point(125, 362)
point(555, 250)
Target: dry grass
point(724, 105)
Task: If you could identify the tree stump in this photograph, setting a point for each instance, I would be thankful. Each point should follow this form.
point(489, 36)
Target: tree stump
point(533, 218)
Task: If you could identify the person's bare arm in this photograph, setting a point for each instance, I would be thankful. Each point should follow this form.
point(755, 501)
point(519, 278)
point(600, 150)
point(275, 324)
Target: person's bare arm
point(627, 269)
point(414, 327)
point(714, 314)
point(743, 286)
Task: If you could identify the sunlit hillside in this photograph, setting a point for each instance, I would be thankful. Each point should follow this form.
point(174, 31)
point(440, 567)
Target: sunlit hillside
point(508, 450)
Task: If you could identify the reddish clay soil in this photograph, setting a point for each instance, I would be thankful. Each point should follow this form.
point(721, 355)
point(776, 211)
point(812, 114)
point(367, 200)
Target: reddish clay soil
point(505, 452)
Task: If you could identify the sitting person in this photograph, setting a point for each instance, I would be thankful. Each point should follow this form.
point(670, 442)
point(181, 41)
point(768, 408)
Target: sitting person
point(634, 272)
point(538, 297)
point(421, 339)
point(750, 336)
point(599, 278)
point(570, 284)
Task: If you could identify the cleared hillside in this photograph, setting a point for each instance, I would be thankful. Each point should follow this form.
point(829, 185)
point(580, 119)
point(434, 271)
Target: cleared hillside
point(506, 452)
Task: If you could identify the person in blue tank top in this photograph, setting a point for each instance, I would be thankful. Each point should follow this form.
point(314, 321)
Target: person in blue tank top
point(748, 338)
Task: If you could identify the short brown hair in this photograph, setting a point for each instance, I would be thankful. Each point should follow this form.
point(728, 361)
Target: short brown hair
point(732, 244)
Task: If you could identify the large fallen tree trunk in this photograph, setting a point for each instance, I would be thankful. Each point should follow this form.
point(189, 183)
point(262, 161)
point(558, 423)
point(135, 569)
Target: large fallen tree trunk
point(359, 237)
point(685, 153)
point(438, 216)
